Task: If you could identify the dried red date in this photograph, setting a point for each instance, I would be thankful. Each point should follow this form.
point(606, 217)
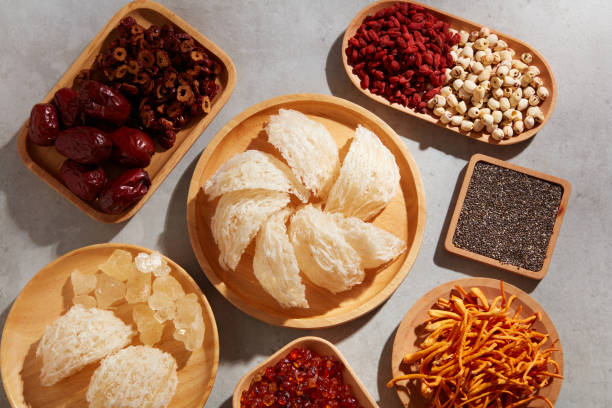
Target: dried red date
point(84, 181)
point(99, 101)
point(132, 148)
point(124, 191)
point(44, 125)
point(84, 144)
point(67, 104)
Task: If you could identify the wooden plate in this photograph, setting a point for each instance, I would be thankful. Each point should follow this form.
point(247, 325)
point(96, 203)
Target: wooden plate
point(457, 23)
point(46, 162)
point(316, 344)
point(404, 216)
point(408, 331)
point(48, 295)
point(450, 246)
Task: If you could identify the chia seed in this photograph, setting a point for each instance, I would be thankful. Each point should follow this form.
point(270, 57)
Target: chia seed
point(508, 216)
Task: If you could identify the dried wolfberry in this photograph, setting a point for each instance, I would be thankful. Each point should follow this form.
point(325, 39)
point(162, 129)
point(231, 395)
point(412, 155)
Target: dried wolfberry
point(401, 52)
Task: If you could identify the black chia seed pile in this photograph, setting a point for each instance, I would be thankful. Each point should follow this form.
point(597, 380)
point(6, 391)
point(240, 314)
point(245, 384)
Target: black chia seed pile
point(508, 216)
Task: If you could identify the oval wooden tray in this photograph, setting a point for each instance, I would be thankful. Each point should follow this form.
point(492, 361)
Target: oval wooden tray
point(320, 346)
point(46, 162)
point(404, 216)
point(452, 248)
point(409, 331)
point(457, 23)
point(49, 295)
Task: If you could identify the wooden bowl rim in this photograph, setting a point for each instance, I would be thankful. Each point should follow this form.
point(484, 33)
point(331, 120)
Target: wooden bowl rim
point(206, 309)
point(172, 159)
point(299, 342)
point(371, 8)
point(430, 298)
point(309, 322)
point(450, 246)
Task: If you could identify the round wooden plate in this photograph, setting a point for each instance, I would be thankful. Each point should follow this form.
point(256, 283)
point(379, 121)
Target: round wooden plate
point(406, 338)
point(457, 23)
point(48, 295)
point(320, 346)
point(404, 216)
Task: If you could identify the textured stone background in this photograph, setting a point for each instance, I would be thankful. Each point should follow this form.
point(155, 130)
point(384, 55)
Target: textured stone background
point(282, 47)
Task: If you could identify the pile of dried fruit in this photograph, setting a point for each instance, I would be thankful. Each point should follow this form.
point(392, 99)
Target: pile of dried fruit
point(154, 296)
point(166, 75)
point(152, 79)
point(302, 379)
point(65, 123)
point(401, 53)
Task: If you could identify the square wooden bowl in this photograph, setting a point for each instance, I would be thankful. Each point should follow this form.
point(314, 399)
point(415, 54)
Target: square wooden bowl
point(46, 162)
point(450, 246)
point(320, 346)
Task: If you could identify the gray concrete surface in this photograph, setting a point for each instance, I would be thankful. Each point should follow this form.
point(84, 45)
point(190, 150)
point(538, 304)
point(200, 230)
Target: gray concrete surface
point(282, 47)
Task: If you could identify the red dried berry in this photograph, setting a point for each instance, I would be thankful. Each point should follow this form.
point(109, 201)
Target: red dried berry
point(85, 182)
point(44, 126)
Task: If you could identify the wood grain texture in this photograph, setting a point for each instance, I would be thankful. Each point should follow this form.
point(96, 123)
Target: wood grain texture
point(410, 332)
point(404, 216)
point(450, 246)
point(458, 23)
point(49, 295)
point(320, 346)
point(46, 162)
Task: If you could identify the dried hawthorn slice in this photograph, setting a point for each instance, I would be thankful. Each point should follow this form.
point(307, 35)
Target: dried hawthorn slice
point(128, 89)
point(184, 94)
point(175, 109)
point(124, 191)
point(67, 104)
point(119, 54)
point(121, 71)
point(44, 125)
point(146, 57)
point(134, 67)
point(201, 106)
point(162, 59)
point(147, 117)
point(84, 144)
point(197, 56)
point(85, 182)
point(136, 29)
point(131, 147)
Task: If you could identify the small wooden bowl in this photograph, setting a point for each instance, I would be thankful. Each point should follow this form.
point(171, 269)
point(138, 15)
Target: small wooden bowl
point(318, 345)
point(49, 295)
point(450, 246)
point(457, 23)
point(46, 162)
point(407, 336)
point(404, 216)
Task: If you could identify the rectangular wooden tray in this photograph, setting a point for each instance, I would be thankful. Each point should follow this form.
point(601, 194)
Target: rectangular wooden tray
point(46, 162)
point(450, 247)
